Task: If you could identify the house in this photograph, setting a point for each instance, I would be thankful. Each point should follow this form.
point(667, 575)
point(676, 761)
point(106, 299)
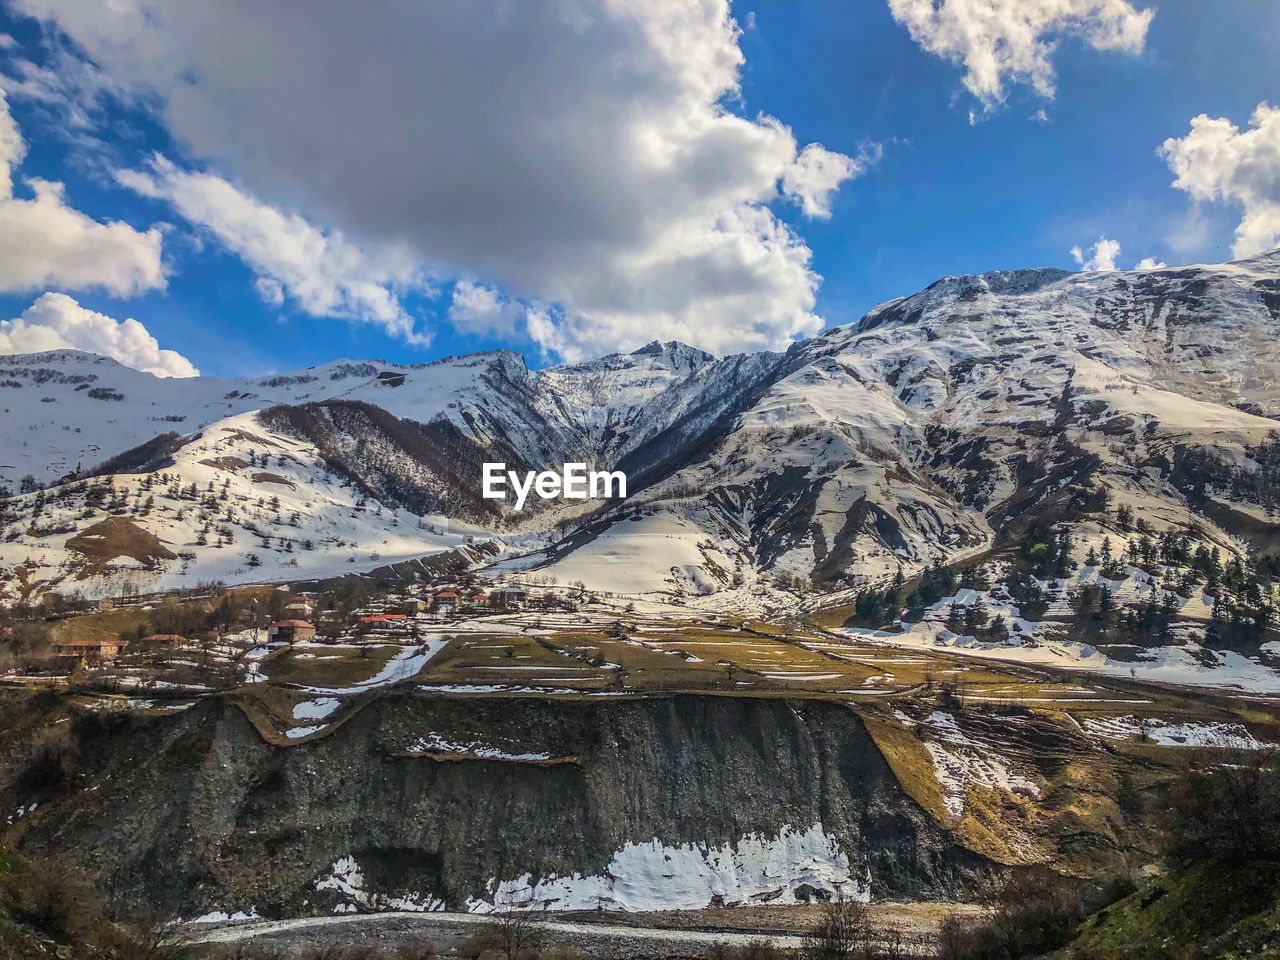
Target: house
point(507, 598)
point(299, 608)
point(414, 606)
point(383, 618)
point(83, 651)
point(446, 601)
point(291, 631)
point(105, 604)
point(164, 639)
point(477, 599)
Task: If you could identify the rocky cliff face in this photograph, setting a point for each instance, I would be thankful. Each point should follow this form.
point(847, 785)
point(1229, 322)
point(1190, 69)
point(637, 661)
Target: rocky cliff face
point(684, 798)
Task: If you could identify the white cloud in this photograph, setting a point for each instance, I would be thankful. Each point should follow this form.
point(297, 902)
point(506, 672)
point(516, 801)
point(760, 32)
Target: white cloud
point(1217, 161)
point(546, 334)
point(1098, 258)
point(744, 261)
point(1150, 263)
point(323, 273)
point(581, 154)
point(1000, 41)
point(64, 83)
point(45, 243)
point(817, 173)
point(476, 308)
point(270, 290)
point(57, 322)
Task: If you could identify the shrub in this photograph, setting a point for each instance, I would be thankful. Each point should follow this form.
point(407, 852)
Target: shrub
point(54, 757)
point(1037, 911)
point(1226, 813)
point(54, 899)
point(760, 949)
point(842, 933)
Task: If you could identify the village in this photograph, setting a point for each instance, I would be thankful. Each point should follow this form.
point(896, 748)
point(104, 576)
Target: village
point(76, 638)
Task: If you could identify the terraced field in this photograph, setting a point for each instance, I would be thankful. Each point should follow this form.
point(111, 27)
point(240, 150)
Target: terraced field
point(1016, 760)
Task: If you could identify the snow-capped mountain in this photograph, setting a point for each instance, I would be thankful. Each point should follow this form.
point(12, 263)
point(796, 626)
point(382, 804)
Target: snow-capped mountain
point(936, 428)
point(922, 432)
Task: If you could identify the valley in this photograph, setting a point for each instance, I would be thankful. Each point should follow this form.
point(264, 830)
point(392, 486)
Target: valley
point(639, 762)
point(939, 600)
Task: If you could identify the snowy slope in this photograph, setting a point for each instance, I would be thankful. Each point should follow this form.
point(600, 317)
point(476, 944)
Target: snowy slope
point(237, 503)
point(927, 432)
point(65, 409)
point(920, 433)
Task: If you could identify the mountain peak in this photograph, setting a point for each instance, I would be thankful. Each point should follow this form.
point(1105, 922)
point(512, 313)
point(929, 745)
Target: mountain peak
point(676, 350)
point(62, 355)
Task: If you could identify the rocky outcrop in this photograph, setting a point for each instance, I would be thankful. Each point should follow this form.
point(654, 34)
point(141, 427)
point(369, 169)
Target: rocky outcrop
point(196, 812)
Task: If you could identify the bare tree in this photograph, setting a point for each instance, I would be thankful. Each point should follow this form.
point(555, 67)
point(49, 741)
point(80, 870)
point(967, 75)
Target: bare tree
point(842, 933)
point(955, 938)
point(416, 948)
point(514, 933)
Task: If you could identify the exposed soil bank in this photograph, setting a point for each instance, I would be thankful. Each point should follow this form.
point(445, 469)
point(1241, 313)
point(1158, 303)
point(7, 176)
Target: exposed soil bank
point(195, 812)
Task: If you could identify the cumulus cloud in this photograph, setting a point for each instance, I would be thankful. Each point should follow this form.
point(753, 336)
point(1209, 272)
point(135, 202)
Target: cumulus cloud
point(744, 259)
point(818, 172)
point(584, 155)
point(1219, 162)
point(1001, 41)
point(57, 322)
point(320, 271)
point(1100, 257)
point(46, 243)
point(476, 308)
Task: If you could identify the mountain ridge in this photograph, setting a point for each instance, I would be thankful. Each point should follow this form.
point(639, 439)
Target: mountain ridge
point(941, 426)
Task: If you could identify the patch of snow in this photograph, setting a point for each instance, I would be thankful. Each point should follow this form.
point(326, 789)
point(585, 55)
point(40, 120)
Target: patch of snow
point(348, 880)
point(316, 709)
point(959, 762)
point(434, 743)
point(654, 876)
point(1227, 736)
point(404, 665)
point(297, 733)
point(219, 916)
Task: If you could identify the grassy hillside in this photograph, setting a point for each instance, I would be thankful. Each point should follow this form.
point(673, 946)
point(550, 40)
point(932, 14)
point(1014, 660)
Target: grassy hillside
point(1205, 912)
point(48, 912)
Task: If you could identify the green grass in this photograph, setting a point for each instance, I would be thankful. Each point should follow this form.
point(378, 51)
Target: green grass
point(320, 666)
point(48, 911)
point(109, 624)
point(1206, 911)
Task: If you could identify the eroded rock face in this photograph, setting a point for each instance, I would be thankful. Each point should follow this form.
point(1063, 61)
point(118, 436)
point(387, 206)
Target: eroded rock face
point(195, 812)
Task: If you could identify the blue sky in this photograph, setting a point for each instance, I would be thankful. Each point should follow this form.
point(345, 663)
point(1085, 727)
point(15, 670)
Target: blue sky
point(485, 199)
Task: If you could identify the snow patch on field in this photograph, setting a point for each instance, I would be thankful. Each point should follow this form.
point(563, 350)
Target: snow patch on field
point(219, 916)
point(959, 762)
point(473, 688)
point(297, 733)
point(1190, 665)
point(405, 665)
point(1227, 736)
point(316, 709)
point(653, 876)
